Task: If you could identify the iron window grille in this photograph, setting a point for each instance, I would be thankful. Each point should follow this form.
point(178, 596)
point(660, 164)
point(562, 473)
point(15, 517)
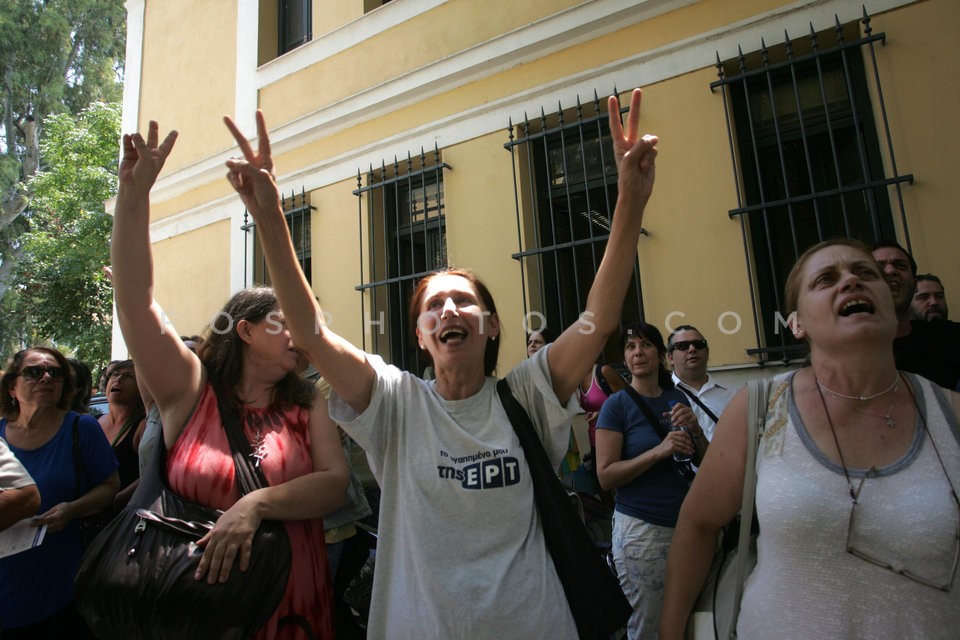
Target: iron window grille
point(565, 189)
point(295, 24)
point(405, 239)
point(297, 211)
point(807, 159)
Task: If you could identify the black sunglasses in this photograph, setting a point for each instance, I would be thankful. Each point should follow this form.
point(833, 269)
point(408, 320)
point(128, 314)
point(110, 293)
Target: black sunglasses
point(684, 345)
point(35, 372)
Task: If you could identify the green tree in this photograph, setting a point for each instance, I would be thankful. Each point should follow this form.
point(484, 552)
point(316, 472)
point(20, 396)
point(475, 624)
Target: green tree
point(57, 56)
point(61, 293)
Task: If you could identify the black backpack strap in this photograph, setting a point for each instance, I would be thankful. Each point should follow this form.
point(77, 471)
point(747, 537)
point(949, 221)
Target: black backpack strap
point(647, 412)
point(601, 380)
point(693, 396)
point(77, 458)
point(685, 468)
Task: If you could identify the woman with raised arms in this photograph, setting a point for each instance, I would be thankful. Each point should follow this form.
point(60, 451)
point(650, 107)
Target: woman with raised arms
point(461, 552)
point(247, 365)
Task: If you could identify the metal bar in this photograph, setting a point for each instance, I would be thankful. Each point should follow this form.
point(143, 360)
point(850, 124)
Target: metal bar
point(570, 227)
point(803, 133)
point(814, 43)
point(553, 221)
point(886, 123)
point(873, 184)
point(861, 143)
point(809, 56)
point(516, 204)
point(388, 181)
point(536, 211)
point(363, 333)
point(780, 155)
point(768, 236)
point(544, 133)
point(736, 181)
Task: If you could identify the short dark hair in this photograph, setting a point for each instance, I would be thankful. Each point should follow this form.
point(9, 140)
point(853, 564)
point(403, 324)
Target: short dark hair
point(545, 333)
point(889, 243)
point(9, 407)
point(683, 327)
point(930, 277)
point(83, 381)
point(649, 332)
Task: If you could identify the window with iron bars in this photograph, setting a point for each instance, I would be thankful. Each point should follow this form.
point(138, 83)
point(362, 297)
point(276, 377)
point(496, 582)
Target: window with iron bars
point(405, 240)
point(565, 182)
point(807, 159)
point(297, 210)
point(295, 24)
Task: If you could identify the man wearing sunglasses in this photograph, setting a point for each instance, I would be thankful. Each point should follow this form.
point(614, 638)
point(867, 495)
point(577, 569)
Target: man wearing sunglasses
point(688, 352)
point(19, 497)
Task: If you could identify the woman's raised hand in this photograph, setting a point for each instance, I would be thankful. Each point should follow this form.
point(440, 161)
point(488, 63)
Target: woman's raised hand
point(143, 159)
point(635, 155)
point(252, 176)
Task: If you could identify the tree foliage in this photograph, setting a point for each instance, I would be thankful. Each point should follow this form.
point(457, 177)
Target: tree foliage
point(61, 293)
point(57, 57)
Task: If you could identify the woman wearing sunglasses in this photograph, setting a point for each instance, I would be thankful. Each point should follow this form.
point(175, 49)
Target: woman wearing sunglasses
point(857, 474)
point(36, 586)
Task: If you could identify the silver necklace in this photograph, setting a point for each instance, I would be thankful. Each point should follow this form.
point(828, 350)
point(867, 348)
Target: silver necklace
point(893, 387)
point(886, 417)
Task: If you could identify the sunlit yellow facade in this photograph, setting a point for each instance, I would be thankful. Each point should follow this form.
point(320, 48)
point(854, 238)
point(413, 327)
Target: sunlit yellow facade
point(378, 82)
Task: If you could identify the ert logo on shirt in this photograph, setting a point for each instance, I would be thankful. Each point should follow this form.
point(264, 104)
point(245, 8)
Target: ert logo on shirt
point(482, 473)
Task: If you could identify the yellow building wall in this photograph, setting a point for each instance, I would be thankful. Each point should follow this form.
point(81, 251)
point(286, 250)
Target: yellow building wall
point(188, 79)
point(692, 262)
point(328, 16)
point(399, 50)
point(192, 276)
point(482, 230)
point(923, 100)
point(336, 258)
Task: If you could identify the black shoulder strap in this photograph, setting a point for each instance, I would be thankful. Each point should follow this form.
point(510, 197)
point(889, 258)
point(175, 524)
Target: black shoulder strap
point(647, 412)
point(249, 477)
point(77, 458)
point(693, 396)
point(593, 592)
point(601, 380)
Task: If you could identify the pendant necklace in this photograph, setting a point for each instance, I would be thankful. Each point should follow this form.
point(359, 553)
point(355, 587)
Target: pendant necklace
point(886, 417)
point(258, 448)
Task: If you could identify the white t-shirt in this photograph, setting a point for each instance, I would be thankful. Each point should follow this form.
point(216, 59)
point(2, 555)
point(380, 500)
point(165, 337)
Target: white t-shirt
point(806, 584)
point(460, 552)
point(12, 474)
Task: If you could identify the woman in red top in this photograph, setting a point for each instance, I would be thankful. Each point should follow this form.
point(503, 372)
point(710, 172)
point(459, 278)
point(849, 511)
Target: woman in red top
point(249, 356)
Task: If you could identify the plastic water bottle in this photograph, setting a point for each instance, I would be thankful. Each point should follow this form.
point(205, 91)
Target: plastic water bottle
point(677, 457)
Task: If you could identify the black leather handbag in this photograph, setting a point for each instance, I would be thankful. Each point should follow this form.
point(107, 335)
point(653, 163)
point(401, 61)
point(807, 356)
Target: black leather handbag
point(136, 577)
point(593, 593)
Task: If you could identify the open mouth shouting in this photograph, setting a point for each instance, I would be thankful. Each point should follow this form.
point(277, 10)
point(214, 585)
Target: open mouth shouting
point(856, 305)
point(452, 335)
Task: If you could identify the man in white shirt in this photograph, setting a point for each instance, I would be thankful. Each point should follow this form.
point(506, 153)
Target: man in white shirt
point(19, 497)
point(688, 353)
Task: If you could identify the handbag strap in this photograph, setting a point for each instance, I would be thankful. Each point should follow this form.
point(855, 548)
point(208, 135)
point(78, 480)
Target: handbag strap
point(249, 477)
point(695, 398)
point(757, 399)
point(77, 458)
point(647, 412)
